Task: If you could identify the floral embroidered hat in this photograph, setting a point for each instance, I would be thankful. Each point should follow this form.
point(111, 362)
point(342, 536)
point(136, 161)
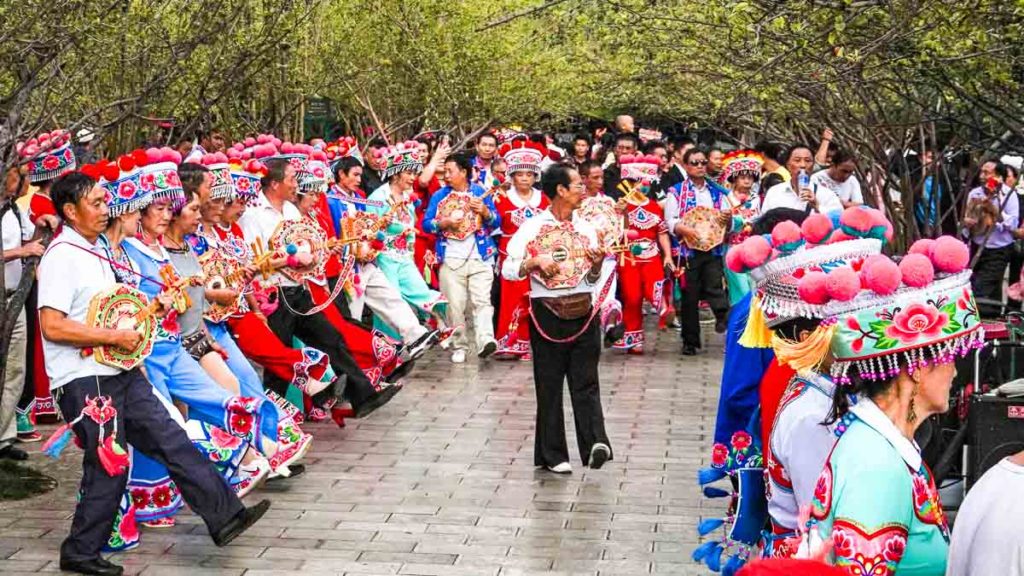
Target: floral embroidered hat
point(402, 157)
point(741, 162)
point(122, 181)
point(160, 175)
point(217, 164)
point(918, 312)
point(317, 176)
point(48, 155)
point(794, 256)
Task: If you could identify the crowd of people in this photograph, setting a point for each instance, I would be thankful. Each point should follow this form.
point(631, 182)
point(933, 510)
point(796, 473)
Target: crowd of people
point(193, 311)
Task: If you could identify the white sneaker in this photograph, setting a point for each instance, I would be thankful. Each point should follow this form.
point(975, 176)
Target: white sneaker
point(459, 357)
point(563, 468)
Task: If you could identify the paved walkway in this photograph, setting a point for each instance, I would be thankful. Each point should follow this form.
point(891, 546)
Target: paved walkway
point(441, 482)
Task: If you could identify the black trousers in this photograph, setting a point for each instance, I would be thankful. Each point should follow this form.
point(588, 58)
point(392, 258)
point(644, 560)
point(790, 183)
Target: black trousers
point(143, 422)
point(703, 282)
point(553, 363)
point(316, 331)
point(987, 280)
point(28, 393)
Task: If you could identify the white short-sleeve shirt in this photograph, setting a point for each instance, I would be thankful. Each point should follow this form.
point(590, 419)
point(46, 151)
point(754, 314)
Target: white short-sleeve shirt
point(16, 231)
point(846, 191)
point(519, 242)
point(68, 278)
point(259, 223)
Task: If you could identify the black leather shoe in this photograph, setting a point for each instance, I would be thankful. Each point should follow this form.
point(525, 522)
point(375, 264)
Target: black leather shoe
point(403, 370)
point(376, 401)
point(721, 326)
point(240, 523)
point(12, 452)
point(97, 566)
point(614, 334)
point(689, 350)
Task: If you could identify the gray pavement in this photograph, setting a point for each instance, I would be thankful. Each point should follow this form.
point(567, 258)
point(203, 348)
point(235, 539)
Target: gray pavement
point(441, 482)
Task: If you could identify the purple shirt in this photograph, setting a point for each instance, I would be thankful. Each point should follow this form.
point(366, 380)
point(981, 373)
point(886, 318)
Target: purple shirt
point(1002, 234)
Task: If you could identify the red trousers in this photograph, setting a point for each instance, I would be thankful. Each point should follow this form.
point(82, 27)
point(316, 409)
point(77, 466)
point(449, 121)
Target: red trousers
point(373, 351)
point(640, 280)
point(514, 332)
point(259, 344)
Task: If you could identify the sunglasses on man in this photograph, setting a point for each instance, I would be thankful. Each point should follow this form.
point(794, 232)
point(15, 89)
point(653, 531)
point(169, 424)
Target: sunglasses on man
point(698, 162)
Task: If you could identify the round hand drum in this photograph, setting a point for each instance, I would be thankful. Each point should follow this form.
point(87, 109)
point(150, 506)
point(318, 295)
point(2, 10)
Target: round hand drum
point(223, 272)
point(710, 231)
point(456, 207)
point(122, 307)
point(307, 237)
point(362, 225)
point(599, 212)
point(567, 248)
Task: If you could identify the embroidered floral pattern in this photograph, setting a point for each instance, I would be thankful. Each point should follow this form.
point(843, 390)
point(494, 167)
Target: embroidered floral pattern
point(927, 507)
point(155, 501)
point(821, 506)
point(240, 415)
point(868, 554)
point(630, 340)
point(741, 453)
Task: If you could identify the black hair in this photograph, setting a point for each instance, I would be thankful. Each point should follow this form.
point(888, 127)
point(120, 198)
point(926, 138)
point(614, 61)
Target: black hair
point(464, 163)
point(587, 166)
point(791, 329)
point(1013, 169)
point(623, 136)
point(581, 136)
point(345, 165)
point(1000, 167)
point(555, 176)
point(767, 221)
point(191, 175)
point(377, 142)
point(862, 387)
point(772, 150)
point(843, 155)
point(680, 142)
point(789, 153)
point(178, 205)
point(695, 150)
point(490, 135)
point(653, 145)
point(69, 189)
point(276, 168)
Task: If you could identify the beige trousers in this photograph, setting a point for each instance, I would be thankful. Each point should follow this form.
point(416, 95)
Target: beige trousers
point(465, 282)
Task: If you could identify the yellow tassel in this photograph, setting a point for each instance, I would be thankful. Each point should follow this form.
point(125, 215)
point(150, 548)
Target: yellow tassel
point(807, 355)
point(756, 334)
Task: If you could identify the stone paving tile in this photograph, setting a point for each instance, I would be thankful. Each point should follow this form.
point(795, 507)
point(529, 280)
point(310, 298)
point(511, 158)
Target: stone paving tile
point(441, 482)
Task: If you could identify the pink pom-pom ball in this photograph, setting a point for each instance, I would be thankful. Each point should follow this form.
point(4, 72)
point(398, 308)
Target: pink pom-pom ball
point(33, 141)
point(856, 220)
point(923, 246)
point(842, 284)
point(31, 150)
point(632, 234)
point(234, 153)
point(208, 158)
point(44, 137)
point(785, 232)
point(19, 147)
point(881, 275)
point(950, 255)
point(220, 157)
point(173, 156)
point(287, 148)
point(816, 228)
point(261, 139)
point(813, 288)
point(917, 270)
point(734, 260)
point(839, 236)
point(246, 154)
point(755, 251)
point(153, 155)
point(626, 159)
point(276, 141)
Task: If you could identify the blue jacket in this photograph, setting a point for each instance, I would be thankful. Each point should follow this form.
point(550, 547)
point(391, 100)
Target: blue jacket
point(484, 242)
point(744, 367)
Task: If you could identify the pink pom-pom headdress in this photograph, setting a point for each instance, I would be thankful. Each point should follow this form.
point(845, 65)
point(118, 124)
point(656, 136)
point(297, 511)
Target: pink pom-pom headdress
point(47, 155)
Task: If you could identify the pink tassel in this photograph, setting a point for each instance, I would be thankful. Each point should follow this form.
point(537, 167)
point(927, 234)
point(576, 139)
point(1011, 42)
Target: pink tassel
point(113, 458)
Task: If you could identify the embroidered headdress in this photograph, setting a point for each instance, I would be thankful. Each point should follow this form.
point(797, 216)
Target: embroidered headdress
point(522, 155)
point(342, 148)
point(160, 175)
point(316, 178)
point(640, 168)
point(122, 181)
point(217, 164)
point(741, 162)
point(48, 155)
point(402, 157)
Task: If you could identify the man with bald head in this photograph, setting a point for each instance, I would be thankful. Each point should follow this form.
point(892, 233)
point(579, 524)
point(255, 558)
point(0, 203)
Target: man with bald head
point(624, 123)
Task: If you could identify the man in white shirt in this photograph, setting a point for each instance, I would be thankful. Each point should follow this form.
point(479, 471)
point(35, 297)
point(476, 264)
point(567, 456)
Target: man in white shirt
point(987, 539)
point(840, 177)
point(73, 271)
point(563, 328)
point(17, 232)
point(784, 195)
point(273, 206)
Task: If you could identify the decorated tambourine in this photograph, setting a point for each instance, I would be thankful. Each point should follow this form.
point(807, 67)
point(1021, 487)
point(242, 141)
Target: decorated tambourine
point(223, 272)
point(600, 212)
point(708, 225)
point(303, 236)
point(456, 207)
point(364, 229)
point(568, 248)
point(122, 307)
